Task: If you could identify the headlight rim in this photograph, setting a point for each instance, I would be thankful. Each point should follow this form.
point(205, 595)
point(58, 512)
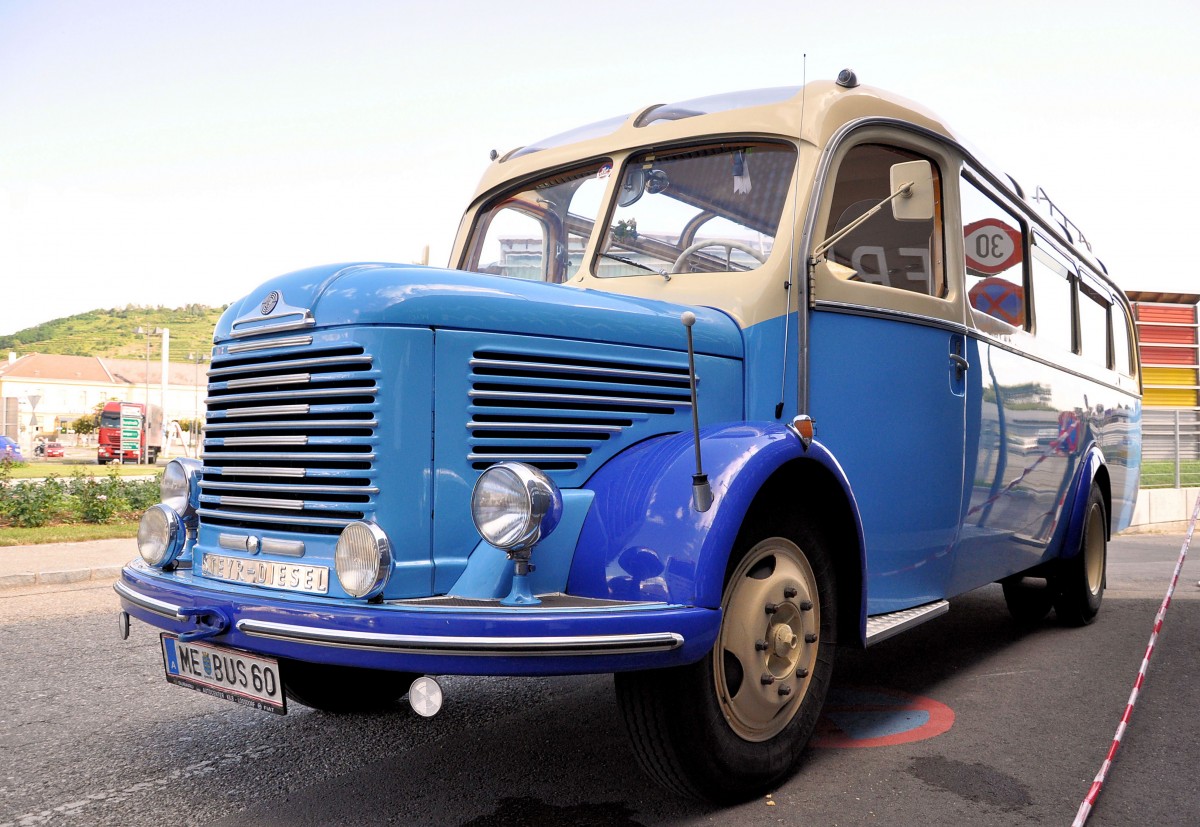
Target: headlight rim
point(542, 501)
point(190, 472)
point(383, 570)
point(174, 541)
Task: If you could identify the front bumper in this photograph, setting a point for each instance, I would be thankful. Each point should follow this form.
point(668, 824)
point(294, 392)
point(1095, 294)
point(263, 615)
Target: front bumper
point(437, 636)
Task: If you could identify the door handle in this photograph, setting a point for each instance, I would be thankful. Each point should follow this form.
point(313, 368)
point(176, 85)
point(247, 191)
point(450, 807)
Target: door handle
point(960, 364)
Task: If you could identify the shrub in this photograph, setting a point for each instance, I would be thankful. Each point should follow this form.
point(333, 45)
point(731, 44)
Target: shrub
point(32, 504)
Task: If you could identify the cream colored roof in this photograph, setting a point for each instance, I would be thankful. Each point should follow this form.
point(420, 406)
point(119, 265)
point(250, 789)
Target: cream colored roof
point(94, 369)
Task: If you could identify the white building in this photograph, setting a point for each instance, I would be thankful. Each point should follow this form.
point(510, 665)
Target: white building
point(41, 394)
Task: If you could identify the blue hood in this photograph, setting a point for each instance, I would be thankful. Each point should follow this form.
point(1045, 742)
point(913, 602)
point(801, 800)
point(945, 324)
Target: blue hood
point(410, 295)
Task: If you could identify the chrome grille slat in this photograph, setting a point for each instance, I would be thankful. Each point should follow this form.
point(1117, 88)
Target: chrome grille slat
point(308, 414)
point(555, 411)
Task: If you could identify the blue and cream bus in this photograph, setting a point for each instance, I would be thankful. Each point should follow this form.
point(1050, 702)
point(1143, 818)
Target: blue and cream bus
point(710, 388)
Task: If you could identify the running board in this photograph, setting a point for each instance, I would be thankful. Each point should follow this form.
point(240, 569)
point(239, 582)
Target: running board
point(882, 627)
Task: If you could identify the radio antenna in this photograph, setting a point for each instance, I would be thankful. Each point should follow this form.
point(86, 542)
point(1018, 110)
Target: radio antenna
point(787, 285)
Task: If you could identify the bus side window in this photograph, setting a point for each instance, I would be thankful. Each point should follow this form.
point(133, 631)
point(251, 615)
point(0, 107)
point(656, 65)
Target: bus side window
point(994, 253)
point(1093, 325)
point(1120, 339)
point(1053, 310)
point(905, 255)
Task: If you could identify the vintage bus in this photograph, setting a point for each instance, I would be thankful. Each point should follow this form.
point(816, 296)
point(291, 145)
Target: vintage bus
point(710, 388)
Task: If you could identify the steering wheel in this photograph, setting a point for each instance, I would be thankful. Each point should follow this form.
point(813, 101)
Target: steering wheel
point(730, 244)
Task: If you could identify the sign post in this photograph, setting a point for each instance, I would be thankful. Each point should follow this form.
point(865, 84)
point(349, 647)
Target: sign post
point(131, 430)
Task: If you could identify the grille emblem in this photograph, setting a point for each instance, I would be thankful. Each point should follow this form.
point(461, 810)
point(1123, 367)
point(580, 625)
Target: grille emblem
point(269, 302)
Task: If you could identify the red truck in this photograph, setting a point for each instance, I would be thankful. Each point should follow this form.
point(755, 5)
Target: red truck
point(127, 434)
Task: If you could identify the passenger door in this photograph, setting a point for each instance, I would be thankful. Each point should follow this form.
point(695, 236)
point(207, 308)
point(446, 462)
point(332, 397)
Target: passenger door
point(888, 373)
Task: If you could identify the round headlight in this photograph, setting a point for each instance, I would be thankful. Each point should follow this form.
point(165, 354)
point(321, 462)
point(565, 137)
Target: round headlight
point(180, 486)
point(363, 559)
point(514, 505)
point(160, 535)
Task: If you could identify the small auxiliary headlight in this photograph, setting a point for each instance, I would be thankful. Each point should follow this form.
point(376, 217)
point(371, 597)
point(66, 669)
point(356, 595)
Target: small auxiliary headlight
point(160, 535)
point(514, 505)
point(363, 559)
point(180, 486)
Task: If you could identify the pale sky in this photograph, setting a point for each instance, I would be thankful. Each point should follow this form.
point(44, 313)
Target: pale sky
point(157, 152)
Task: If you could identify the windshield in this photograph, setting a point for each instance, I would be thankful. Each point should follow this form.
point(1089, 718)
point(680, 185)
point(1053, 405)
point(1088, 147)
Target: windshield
point(110, 419)
point(539, 232)
point(698, 210)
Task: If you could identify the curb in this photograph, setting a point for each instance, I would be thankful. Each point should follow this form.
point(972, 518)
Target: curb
point(58, 578)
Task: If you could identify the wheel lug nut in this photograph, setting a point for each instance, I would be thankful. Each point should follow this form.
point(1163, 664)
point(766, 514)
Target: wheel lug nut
point(802, 672)
point(767, 679)
point(806, 606)
point(789, 592)
point(771, 608)
point(810, 638)
point(785, 690)
point(761, 646)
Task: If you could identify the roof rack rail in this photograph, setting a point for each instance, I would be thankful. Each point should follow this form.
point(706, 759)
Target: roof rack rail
point(1074, 234)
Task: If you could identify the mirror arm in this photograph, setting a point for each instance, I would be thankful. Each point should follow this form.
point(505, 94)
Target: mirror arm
point(904, 190)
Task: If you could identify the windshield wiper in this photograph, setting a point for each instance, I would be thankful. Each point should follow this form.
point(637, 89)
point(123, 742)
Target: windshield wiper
point(637, 264)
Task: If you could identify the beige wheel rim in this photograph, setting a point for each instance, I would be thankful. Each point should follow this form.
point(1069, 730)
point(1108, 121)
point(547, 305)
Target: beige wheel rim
point(1093, 549)
point(770, 633)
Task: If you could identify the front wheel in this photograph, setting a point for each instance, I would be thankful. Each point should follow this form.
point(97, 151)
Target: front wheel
point(735, 723)
point(1083, 576)
point(342, 689)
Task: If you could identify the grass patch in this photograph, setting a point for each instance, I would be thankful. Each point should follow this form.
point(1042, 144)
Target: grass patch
point(67, 533)
point(1161, 473)
point(38, 470)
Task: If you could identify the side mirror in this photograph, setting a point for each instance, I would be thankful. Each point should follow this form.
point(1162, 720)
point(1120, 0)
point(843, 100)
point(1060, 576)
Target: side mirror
point(631, 187)
point(917, 203)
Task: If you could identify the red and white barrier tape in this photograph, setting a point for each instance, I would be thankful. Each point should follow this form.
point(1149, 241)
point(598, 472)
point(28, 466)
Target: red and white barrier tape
point(1089, 801)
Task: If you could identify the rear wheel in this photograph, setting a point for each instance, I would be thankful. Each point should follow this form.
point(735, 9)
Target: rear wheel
point(342, 689)
point(735, 723)
point(1083, 576)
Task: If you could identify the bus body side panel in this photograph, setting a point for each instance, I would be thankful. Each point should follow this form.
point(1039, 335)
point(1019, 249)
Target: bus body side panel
point(643, 540)
point(1031, 428)
point(889, 405)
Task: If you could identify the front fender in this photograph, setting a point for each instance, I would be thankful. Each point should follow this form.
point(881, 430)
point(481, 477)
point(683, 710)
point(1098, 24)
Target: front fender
point(1090, 470)
point(643, 540)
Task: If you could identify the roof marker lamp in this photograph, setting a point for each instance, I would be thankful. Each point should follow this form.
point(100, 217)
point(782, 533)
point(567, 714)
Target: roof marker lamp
point(161, 536)
point(513, 506)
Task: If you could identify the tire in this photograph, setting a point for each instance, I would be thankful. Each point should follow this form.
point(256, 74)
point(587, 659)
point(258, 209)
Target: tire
point(1030, 599)
point(1084, 574)
point(342, 689)
point(735, 724)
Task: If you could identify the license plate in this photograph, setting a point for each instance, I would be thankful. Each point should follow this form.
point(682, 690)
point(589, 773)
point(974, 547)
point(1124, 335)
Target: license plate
point(235, 676)
point(269, 573)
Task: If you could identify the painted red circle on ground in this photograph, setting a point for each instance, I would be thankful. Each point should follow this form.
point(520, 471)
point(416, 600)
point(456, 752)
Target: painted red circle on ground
point(856, 717)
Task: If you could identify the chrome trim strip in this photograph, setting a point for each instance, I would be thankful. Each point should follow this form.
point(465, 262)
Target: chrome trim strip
point(251, 397)
point(268, 381)
point(286, 548)
point(233, 542)
point(349, 456)
point(481, 646)
point(584, 370)
point(286, 321)
point(220, 425)
point(233, 471)
point(290, 519)
point(579, 399)
point(262, 502)
point(292, 341)
point(266, 410)
point(268, 487)
point(473, 457)
point(289, 364)
point(542, 426)
point(280, 439)
point(159, 607)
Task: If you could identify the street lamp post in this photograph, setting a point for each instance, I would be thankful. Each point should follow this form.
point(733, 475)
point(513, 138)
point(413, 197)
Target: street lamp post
point(147, 332)
point(194, 430)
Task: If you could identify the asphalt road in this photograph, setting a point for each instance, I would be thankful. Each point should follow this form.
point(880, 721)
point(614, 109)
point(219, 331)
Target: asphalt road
point(91, 734)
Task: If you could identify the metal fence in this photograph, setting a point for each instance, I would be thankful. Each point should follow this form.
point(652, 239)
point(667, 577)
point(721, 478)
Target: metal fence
point(1170, 447)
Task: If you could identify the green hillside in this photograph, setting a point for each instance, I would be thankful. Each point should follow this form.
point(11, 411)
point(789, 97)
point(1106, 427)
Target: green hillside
point(110, 333)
